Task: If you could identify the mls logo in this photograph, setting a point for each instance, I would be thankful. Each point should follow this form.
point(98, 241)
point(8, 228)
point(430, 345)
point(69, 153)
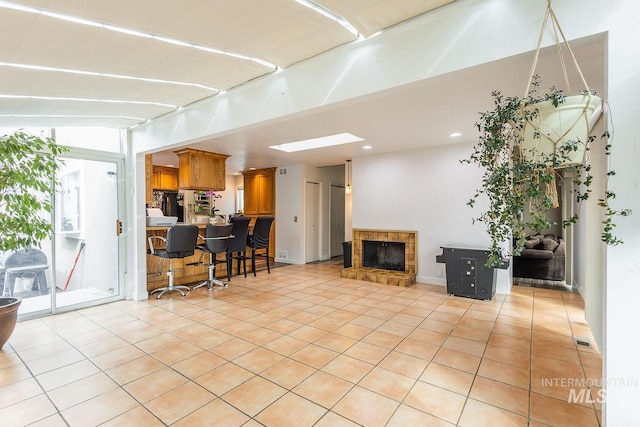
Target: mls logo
point(584, 395)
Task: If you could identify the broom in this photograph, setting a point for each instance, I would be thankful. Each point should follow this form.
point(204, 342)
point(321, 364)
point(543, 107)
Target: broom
point(74, 266)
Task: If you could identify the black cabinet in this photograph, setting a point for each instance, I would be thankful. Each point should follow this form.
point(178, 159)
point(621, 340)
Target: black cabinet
point(467, 273)
point(346, 253)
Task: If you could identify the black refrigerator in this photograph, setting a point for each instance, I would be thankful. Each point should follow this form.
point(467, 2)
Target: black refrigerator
point(173, 205)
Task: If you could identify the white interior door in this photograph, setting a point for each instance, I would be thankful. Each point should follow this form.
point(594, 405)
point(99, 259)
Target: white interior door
point(337, 219)
point(312, 222)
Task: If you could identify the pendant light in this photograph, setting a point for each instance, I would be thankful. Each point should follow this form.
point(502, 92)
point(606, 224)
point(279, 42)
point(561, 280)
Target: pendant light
point(348, 188)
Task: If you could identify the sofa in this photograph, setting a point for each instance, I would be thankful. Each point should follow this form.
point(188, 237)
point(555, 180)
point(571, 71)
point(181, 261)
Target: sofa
point(542, 258)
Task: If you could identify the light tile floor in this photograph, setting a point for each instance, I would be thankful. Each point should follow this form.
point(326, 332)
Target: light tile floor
point(303, 347)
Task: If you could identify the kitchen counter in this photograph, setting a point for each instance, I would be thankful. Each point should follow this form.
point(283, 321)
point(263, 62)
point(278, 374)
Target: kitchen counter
point(165, 227)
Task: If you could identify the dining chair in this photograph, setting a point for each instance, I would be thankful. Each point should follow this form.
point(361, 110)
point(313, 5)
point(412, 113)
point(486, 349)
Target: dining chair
point(216, 241)
point(180, 243)
point(259, 240)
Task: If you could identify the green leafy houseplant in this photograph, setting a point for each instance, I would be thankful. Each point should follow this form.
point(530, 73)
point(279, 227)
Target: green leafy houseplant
point(522, 151)
point(28, 168)
point(517, 180)
point(27, 173)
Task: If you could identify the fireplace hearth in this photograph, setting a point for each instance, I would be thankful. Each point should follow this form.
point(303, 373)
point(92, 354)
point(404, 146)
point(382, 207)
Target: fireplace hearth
point(383, 256)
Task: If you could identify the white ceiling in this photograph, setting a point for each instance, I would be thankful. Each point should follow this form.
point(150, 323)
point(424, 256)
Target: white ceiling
point(278, 32)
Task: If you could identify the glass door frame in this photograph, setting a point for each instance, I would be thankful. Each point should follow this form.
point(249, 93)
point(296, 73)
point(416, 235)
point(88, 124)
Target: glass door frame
point(119, 161)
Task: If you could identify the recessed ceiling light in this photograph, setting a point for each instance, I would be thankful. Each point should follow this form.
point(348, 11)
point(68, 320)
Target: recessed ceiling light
point(310, 144)
point(367, 147)
point(455, 134)
point(252, 169)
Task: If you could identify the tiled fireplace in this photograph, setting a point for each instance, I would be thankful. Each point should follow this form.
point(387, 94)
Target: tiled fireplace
point(386, 267)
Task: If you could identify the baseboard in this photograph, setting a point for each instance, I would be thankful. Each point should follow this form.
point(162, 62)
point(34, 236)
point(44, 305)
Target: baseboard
point(439, 281)
point(288, 261)
point(542, 283)
point(138, 296)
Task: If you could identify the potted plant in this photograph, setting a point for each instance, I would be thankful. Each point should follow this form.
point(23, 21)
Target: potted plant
point(521, 179)
point(550, 124)
point(28, 167)
point(212, 213)
point(525, 144)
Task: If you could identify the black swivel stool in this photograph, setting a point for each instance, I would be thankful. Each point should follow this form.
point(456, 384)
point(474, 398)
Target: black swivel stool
point(238, 243)
point(259, 240)
point(180, 243)
point(216, 242)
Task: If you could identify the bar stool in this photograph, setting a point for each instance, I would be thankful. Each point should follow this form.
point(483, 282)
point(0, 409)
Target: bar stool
point(238, 243)
point(216, 242)
point(180, 243)
point(259, 240)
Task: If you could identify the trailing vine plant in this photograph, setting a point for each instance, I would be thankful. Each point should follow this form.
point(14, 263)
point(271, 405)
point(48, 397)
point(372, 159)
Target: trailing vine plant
point(516, 182)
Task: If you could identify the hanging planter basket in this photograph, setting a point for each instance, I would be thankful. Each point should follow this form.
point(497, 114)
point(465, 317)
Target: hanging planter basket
point(558, 131)
point(548, 128)
point(524, 144)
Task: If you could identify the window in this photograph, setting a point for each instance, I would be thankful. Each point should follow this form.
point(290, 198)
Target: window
point(103, 139)
point(239, 199)
point(69, 201)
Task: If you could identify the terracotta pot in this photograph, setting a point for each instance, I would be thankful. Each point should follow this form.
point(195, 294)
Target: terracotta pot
point(8, 317)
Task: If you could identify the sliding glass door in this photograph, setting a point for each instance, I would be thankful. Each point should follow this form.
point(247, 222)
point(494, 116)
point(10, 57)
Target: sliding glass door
point(87, 235)
point(80, 265)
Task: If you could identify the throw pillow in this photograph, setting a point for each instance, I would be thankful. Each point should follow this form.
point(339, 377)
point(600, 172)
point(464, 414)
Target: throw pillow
point(532, 243)
point(549, 244)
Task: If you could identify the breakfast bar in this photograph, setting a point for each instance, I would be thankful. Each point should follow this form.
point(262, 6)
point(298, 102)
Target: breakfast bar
point(188, 271)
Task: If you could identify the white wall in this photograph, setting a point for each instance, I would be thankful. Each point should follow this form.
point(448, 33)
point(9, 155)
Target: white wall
point(348, 203)
point(290, 206)
point(620, 300)
point(426, 191)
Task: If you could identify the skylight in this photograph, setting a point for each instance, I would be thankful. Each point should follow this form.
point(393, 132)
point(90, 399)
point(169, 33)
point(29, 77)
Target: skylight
point(115, 76)
point(112, 101)
point(324, 141)
point(331, 15)
point(130, 31)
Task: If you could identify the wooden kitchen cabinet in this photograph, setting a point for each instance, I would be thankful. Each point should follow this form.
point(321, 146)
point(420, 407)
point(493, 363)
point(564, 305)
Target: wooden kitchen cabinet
point(260, 198)
point(148, 178)
point(259, 192)
point(165, 178)
point(201, 170)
